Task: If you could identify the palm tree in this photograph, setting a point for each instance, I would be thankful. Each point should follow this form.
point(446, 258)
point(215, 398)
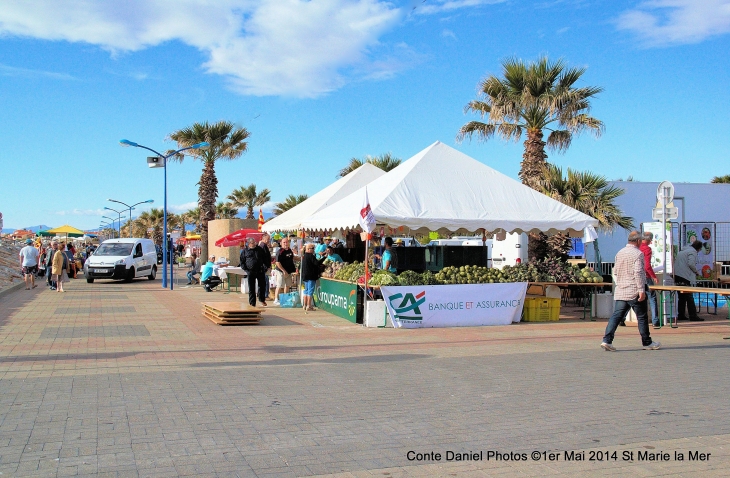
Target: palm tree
point(227, 142)
point(590, 194)
point(386, 162)
point(249, 198)
point(288, 203)
point(192, 216)
point(721, 179)
point(533, 98)
point(152, 220)
point(225, 210)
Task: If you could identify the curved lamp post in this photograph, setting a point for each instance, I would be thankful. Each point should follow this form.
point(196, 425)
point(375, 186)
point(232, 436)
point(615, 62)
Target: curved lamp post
point(130, 211)
point(153, 163)
point(110, 219)
point(119, 220)
point(103, 225)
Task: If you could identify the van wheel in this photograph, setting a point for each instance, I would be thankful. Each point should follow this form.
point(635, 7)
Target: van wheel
point(130, 275)
point(90, 281)
point(154, 273)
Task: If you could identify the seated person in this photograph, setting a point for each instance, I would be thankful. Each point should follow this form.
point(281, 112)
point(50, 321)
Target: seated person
point(194, 270)
point(332, 256)
point(207, 276)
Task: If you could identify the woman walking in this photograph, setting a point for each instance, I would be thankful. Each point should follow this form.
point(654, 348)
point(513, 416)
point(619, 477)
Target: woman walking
point(58, 269)
point(310, 274)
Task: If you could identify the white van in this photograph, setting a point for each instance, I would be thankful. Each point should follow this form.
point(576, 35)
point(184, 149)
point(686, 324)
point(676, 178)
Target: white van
point(124, 258)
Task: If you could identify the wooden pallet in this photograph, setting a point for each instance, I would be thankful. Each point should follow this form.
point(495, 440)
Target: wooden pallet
point(231, 313)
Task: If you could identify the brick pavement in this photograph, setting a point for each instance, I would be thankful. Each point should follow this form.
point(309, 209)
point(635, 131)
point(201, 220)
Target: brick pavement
point(115, 379)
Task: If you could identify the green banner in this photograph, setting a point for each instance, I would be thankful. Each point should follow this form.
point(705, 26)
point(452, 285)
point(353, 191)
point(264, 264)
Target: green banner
point(338, 298)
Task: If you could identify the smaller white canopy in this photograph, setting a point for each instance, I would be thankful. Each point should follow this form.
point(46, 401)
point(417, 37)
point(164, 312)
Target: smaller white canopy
point(291, 220)
point(441, 188)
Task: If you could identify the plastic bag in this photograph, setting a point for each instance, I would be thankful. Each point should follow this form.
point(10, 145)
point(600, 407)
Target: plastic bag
point(290, 300)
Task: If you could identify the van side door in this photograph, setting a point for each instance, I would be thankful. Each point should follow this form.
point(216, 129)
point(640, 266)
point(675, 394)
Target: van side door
point(138, 260)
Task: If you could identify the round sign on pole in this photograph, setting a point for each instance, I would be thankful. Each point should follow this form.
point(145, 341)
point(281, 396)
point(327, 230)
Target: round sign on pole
point(660, 191)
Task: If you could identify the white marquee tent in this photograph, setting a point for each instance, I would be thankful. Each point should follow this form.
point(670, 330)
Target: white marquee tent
point(291, 220)
point(441, 188)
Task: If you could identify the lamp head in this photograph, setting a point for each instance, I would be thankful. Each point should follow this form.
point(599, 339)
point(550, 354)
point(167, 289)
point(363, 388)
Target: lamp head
point(126, 143)
point(203, 145)
point(149, 200)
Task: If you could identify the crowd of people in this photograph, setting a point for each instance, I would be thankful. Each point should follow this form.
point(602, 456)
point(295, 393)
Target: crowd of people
point(43, 259)
point(272, 265)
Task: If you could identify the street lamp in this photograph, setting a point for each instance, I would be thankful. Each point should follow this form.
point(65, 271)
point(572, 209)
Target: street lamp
point(130, 210)
point(154, 163)
point(112, 220)
point(103, 225)
point(119, 223)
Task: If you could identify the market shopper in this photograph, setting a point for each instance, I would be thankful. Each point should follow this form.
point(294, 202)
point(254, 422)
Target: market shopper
point(264, 245)
point(284, 269)
point(651, 278)
point(252, 262)
point(50, 252)
point(310, 274)
point(59, 267)
point(29, 263)
point(685, 273)
point(629, 293)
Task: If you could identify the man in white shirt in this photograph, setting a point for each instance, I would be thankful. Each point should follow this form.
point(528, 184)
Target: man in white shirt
point(29, 263)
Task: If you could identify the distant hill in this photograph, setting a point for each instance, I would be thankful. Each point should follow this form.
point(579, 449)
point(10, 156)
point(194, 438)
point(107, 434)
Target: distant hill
point(36, 228)
point(43, 227)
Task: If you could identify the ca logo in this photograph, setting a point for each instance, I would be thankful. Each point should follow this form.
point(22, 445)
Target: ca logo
point(407, 304)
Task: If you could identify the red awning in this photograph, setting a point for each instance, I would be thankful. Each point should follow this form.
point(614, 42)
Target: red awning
point(238, 238)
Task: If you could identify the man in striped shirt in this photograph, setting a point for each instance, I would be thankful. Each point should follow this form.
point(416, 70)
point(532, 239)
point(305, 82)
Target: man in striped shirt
point(629, 293)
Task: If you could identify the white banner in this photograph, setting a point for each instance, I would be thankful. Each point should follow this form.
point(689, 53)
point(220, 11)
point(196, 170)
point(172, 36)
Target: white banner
point(455, 305)
point(657, 246)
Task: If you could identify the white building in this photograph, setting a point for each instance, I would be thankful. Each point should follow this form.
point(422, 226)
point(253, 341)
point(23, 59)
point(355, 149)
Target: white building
point(697, 202)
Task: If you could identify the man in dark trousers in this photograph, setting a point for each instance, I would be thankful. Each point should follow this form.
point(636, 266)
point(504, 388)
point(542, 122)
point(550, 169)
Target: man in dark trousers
point(252, 262)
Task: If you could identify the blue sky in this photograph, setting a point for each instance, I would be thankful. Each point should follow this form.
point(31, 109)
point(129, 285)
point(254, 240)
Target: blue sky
point(318, 82)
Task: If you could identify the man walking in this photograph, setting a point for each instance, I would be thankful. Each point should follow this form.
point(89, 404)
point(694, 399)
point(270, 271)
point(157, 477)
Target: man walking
point(629, 293)
point(685, 273)
point(252, 262)
point(651, 278)
point(29, 263)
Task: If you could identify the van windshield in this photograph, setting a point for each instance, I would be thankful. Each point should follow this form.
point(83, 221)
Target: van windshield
point(114, 250)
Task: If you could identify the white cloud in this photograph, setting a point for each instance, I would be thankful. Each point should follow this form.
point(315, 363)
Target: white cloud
point(178, 208)
point(667, 22)
point(448, 34)
point(6, 70)
point(299, 48)
point(428, 7)
point(82, 212)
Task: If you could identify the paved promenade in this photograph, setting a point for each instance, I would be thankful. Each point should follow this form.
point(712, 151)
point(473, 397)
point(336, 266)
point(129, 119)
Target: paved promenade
point(114, 379)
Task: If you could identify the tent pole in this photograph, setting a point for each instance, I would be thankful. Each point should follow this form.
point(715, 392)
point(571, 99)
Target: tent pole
point(365, 298)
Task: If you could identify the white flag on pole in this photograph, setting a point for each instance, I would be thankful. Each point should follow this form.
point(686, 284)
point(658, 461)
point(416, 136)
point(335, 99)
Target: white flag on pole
point(367, 220)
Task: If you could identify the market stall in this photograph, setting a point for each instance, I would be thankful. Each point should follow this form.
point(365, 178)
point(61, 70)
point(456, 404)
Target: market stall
point(442, 189)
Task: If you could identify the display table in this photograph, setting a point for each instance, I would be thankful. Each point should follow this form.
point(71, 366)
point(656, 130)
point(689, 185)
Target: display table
point(235, 272)
point(676, 289)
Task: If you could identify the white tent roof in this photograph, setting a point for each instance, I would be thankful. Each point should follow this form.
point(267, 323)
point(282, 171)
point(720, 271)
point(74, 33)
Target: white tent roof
point(441, 188)
point(291, 220)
